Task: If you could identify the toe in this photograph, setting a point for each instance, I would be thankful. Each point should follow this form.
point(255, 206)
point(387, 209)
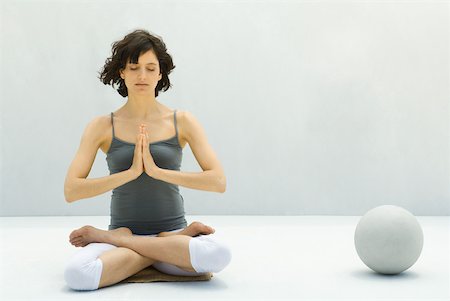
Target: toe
point(75, 241)
point(73, 234)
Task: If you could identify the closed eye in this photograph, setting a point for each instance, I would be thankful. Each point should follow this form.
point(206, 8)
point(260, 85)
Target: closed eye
point(138, 68)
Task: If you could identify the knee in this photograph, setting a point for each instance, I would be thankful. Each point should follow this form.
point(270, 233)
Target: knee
point(221, 257)
point(211, 257)
point(83, 276)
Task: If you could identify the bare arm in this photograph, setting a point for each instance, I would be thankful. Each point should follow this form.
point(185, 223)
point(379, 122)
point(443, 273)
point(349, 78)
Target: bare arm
point(208, 180)
point(76, 185)
point(81, 188)
point(212, 178)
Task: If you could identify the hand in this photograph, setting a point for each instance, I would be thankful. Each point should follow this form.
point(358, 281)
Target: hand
point(138, 165)
point(150, 167)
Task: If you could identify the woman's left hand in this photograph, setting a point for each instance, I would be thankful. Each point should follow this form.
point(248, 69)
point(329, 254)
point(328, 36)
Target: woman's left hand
point(150, 167)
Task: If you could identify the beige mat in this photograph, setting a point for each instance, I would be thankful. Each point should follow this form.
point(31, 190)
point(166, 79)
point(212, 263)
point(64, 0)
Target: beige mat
point(151, 274)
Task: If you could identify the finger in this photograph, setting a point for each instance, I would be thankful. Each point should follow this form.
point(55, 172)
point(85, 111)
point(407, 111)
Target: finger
point(138, 139)
point(138, 147)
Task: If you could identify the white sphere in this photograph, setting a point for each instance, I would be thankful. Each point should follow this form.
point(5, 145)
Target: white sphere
point(388, 239)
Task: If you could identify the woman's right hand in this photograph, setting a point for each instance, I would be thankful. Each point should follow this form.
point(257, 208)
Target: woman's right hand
point(138, 163)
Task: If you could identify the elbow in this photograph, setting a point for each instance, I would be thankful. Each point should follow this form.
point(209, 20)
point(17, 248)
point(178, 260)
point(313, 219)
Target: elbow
point(68, 193)
point(68, 200)
point(222, 185)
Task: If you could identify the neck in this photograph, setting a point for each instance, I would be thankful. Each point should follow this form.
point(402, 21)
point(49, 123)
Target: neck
point(141, 107)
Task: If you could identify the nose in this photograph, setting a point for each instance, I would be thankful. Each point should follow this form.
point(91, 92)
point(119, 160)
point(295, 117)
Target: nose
point(141, 75)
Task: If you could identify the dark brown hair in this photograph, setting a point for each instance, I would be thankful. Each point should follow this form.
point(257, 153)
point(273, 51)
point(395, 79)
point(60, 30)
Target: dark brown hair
point(129, 49)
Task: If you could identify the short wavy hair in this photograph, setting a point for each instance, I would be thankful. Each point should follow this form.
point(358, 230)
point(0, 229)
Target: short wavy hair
point(129, 49)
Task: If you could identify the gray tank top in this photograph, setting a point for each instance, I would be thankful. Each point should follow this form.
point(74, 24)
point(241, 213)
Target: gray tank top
point(145, 205)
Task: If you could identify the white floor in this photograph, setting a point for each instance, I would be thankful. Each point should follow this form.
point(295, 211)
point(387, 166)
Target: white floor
point(274, 257)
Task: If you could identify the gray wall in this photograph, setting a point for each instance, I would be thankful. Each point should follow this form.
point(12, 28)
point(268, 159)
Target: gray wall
point(317, 108)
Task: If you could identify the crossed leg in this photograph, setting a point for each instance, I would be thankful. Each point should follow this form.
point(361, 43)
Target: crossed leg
point(135, 253)
point(121, 263)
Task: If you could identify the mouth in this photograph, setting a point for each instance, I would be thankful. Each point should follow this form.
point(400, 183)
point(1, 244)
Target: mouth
point(141, 84)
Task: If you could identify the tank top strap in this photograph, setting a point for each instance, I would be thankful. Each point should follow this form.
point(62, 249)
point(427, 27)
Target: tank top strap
point(112, 123)
point(175, 122)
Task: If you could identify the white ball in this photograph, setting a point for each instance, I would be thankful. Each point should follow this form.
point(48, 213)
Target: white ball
point(388, 239)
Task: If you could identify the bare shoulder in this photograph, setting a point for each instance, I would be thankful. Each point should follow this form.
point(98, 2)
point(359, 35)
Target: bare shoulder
point(100, 124)
point(189, 126)
point(97, 128)
point(185, 116)
point(183, 119)
point(102, 121)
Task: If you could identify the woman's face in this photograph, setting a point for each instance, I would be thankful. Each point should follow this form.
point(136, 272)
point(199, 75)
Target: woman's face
point(143, 77)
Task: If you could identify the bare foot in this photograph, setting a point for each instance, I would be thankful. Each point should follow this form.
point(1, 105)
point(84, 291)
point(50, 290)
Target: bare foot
point(192, 230)
point(87, 234)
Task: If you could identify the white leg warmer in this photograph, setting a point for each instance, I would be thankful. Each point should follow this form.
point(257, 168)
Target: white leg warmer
point(84, 269)
point(208, 254)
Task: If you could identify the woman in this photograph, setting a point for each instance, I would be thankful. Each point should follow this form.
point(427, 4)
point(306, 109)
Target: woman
point(143, 141)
